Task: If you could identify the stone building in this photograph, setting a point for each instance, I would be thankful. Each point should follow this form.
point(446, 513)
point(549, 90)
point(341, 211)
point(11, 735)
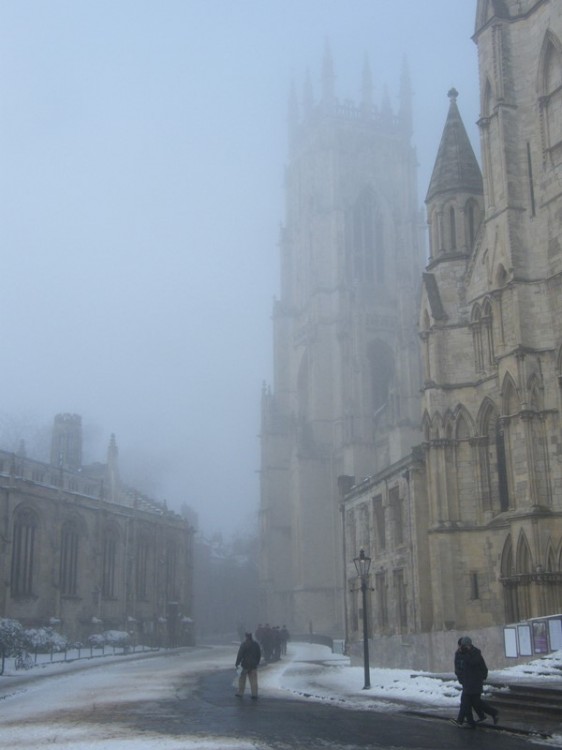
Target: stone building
point(481, 496)
point(448, 474)
point(345, 396)
point(81, 549)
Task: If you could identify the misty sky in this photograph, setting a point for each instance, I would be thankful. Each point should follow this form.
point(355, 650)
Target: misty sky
point(142, 147)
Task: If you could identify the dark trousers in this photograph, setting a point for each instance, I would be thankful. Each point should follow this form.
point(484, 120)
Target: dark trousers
point(465, 710)
point(480, 706)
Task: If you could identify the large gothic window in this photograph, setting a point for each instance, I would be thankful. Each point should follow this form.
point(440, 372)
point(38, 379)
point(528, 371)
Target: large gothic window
point(69, 560)
point(109, 565)
point(396, 503)
point(381, 370)
point(367, 246)
point(510, 582)
point(171, 572)
point(551, 101)
point(24, 553)
point(468, 500)
point(141, 568)
point(538, 443)
point(401, 601)
point(472, 219)
point(380, 529)
point(382, 600)
point(493, 467)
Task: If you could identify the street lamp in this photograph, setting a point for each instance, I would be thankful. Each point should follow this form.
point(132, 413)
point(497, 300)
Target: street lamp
point(362, 564)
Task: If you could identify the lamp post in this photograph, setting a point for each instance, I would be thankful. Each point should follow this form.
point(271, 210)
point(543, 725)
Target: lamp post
point(362, 565)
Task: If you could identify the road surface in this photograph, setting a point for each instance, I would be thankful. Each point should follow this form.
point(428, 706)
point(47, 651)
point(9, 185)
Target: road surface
point(186, 700)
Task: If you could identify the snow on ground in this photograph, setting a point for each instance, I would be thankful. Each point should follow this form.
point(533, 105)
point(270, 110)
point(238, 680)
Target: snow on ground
point(28, 714)
point(326, 676)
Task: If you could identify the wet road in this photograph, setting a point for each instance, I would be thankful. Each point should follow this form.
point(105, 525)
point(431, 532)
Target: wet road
point(278, 722)
point(187, 701)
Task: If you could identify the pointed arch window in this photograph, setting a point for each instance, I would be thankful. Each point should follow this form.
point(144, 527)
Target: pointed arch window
point(551, 100)
point(468, 501)
point(488, 333)
point(511, 403)
point(502, 467)
point(171, 572)
point(476, 326)
point(69, 559)
point(452, 229)
point(24, 553)
point(380, 528)
point(367, 245)
point(472, 218)
point(493, 464)
point(142, 556)
point(511, 583)
point(381, 370)
point(109, 565)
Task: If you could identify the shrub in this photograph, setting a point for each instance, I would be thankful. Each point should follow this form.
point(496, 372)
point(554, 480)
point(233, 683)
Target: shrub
point(109, 638)
point(44, 640)
point(11, 636)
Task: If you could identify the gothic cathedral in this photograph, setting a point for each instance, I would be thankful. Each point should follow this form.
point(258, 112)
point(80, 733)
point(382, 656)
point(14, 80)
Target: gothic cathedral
point(345, 397)
point(416, 413)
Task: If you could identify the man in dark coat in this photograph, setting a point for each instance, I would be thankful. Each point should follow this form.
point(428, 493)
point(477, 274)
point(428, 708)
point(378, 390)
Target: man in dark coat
point(474, 672)
point(249, 655)
point(465, 710)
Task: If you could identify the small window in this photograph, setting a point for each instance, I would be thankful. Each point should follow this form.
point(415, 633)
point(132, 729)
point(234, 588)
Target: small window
point(474, 591)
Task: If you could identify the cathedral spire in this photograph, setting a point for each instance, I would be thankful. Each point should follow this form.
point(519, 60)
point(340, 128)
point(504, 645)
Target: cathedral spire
point(406, 95)
point(308, 95)
point(292, 112)
point(386, 106)
point(367, 102)
point(328, 77)
point(456, 168)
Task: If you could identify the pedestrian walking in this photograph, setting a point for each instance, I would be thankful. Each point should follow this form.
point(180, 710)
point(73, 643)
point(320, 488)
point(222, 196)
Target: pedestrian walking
point(465, 709)
point(248, 658)
point(474, 672)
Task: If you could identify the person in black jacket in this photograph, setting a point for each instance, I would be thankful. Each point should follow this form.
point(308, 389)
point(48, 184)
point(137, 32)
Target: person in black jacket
point(249, 656)
point(474, 672)
point(465, 709)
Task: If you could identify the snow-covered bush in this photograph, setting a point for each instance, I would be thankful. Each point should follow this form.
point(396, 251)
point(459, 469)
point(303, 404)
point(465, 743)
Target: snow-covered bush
point(44, 640)
point(11, 636)
point(110, 638)
point(14, 638)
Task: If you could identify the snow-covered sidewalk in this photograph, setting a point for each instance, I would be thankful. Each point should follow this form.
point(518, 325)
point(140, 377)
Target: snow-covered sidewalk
point(313, 671)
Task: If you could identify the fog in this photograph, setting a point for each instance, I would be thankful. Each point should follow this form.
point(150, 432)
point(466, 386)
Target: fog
point(142, 148)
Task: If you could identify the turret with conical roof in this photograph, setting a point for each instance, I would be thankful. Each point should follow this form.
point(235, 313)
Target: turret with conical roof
point(455, 196)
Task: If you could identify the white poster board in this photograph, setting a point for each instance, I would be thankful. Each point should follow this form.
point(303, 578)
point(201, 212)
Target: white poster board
point(524, 634)
point(510, 642)
point(555, 634)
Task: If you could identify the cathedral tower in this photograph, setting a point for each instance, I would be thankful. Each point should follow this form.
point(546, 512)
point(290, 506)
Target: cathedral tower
point(344, 401)
point(66, 442)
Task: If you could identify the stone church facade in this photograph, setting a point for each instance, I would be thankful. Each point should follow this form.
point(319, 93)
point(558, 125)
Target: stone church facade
point(464, 522)
point(81, 550)
point(346, 364)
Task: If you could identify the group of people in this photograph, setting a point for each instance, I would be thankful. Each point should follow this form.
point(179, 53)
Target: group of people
point(471, 671)
point(269, 641)
point(273, 640)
